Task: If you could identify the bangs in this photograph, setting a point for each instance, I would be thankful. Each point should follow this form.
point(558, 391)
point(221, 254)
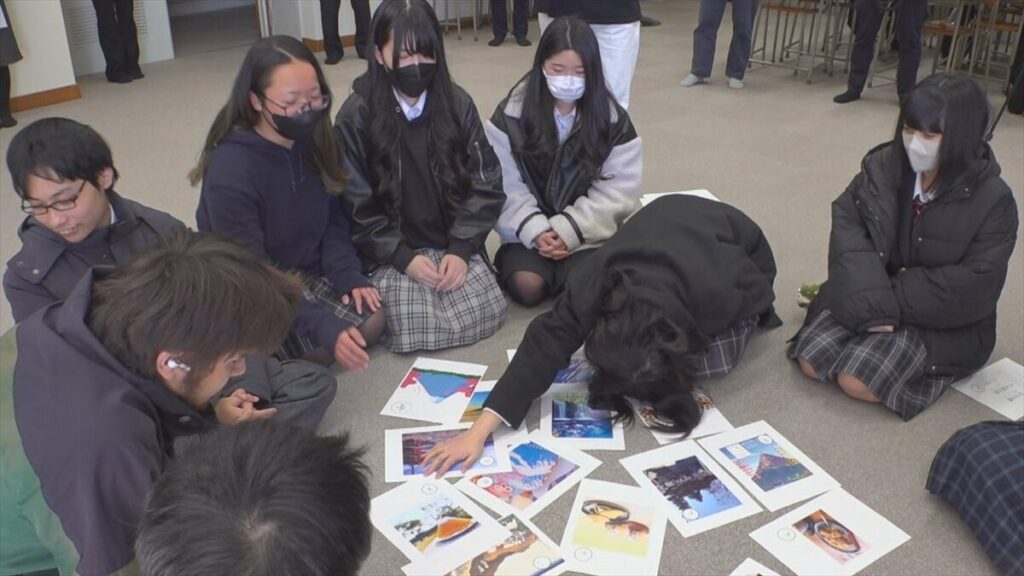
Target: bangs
point(924, 110)
point(415, 33)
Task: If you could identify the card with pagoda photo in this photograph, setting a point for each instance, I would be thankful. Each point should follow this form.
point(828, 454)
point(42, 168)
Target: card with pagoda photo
point(768, 465)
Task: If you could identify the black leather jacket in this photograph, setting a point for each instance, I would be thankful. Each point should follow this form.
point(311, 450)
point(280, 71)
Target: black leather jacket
point(378, 238)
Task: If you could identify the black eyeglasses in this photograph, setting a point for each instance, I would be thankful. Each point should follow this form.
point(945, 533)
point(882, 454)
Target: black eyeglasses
point(318, 103)
point(59, 205)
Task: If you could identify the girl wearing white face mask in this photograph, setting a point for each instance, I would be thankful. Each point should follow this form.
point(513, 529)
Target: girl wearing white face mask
point(571, 163)
point(917, 257)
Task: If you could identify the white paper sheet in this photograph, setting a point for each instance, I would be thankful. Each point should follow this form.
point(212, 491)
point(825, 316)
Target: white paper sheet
point(699, 494)
point(541, 472)
point(405, 447)
point(614, 529)
point(834, 535)
point(435, 391)
point(770, 467)
point(526, 551)
point(1000, 386)
point(751, 567)
point(712, 421)
point(566, 419)
point(511, 354)
point(648, 198)
point(429, 520)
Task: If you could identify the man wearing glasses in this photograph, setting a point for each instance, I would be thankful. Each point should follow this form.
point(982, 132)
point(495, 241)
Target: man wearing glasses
point(64, 173)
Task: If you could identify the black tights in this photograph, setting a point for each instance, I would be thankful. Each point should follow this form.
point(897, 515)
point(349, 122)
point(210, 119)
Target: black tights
point(527, 288)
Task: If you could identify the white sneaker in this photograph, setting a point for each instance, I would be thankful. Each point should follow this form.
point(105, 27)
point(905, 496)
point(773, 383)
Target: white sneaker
point(692, 80)
point(735, 83)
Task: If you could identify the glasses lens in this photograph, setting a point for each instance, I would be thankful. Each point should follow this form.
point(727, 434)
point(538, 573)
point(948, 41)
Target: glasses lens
point(64, 205)
point(33, 210)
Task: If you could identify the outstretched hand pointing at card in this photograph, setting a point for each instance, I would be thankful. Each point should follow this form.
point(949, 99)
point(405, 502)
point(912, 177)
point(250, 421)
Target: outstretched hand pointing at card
point(466, 447)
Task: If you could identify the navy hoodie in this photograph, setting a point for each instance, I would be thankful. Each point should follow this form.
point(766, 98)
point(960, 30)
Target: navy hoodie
point(272, 200)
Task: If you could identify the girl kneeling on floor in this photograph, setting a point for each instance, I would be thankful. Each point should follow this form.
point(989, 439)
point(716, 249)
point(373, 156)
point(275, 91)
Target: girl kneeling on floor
point(917, 257)
point(425, 186)
point(571, 163)
point(271, 173)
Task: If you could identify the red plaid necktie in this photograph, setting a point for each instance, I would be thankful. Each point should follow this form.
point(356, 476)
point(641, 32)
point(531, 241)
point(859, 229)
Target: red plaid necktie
point(918, 208)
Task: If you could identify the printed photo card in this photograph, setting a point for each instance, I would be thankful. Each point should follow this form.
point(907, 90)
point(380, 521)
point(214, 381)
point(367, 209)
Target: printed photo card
point(435, 391)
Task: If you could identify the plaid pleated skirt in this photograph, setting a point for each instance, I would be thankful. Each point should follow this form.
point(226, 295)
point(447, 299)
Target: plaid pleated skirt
point(724, 350)
point(419, 318)
point(319, 291)
point(980, 472)
point(890, 364)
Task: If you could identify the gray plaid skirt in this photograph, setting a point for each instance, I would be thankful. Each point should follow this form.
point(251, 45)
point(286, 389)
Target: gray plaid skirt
point(890, 364)
point(320, 292)
point(724, 351)
point(419, 318)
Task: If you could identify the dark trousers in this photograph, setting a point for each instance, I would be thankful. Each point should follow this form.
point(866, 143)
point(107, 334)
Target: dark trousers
point(119, 40)
point(706, 33)
point(329, 16)
point(910, 17)
point(5, 91)
point(499, 18)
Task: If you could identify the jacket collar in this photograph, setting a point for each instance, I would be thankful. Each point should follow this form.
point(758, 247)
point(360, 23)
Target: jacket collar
point(884, 169)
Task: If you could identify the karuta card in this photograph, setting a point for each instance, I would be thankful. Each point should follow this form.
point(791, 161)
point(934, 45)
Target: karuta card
point(711, 422)
point(435, 391)
point(614, 529)
point(475, 408)
point(566, 418)
point(406, 448)
point(1000, 386)
point(833, 535)
point(767, 465)
point(526, 551)
point(511, 354)
point(429, 520)
point(751, 567)
point(578, 369)
point(700, 494)
point(541, 472)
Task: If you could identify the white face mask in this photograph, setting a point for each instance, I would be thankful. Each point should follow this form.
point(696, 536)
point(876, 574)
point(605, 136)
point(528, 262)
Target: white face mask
point(566, 88)
point(923, 153)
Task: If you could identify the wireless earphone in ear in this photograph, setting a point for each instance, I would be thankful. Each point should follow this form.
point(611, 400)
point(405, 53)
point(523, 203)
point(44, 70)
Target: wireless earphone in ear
point(175, 363)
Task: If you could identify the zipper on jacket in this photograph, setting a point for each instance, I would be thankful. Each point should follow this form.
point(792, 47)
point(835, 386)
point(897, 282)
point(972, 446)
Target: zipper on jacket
point(480, 155)
point(558, 158)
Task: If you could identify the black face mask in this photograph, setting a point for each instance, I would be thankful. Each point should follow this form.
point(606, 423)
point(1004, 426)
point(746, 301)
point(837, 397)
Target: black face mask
point(299, 128)
point(413, 79)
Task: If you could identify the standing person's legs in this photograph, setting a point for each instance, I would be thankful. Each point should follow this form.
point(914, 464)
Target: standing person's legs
point(520, 24)
point(110, 41)
point(361, 9)
point(908, 29)
point(329, 20)
point(620, 47)
point(129, 36)
point(743, 13)
point(867, 20)
point(499, 21)
point(6, 120)
point(704, 37)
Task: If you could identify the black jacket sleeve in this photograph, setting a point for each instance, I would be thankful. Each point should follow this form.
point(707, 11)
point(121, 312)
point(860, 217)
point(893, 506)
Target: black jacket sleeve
point(960, 294)
point(479, 211)
point(376, 237)
point(862, 294)
point(549, 343)
point(24, 296)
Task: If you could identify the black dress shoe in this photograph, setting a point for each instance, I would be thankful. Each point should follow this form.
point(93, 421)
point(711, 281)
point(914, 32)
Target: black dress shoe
point(6, 120)
point(119, 77)
point(522, 41)
point(136, 73)
point(496, 41)
point(648, 22)
point(333, 59)
point(848, 96)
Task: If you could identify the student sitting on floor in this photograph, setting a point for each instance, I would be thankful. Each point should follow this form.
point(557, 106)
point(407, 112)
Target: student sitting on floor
point(917, 257)
point(675, 295)
point(94, 391)
point(571, 163)
point(271, 173)
point(425, 186)
point(258, 499)
point(64, 174)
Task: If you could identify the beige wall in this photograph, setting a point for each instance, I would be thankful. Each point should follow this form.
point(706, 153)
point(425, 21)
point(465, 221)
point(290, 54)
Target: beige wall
point(46, 64)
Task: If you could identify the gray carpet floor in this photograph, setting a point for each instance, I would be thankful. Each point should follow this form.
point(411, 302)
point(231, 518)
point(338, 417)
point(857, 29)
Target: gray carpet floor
point(779, 149)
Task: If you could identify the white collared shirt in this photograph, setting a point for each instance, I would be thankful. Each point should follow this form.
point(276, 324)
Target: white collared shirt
point(411, 112)
point(563, 123)
point(919, 194)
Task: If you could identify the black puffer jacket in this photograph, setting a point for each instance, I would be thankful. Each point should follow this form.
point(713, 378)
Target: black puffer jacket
point(376, 236)
point(958, 253)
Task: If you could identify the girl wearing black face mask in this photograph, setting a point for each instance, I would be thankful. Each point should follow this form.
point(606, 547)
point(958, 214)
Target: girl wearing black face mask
point(425, 187)
point(271, 177)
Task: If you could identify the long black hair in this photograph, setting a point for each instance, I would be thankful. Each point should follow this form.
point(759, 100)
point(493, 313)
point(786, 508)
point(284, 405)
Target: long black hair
point(956, 107)
point(254, 77)
point(593, 110)
point(637, 353)
point(414, 27)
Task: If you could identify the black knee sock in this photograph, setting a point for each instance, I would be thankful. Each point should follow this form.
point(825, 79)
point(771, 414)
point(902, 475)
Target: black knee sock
point(5, 91)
